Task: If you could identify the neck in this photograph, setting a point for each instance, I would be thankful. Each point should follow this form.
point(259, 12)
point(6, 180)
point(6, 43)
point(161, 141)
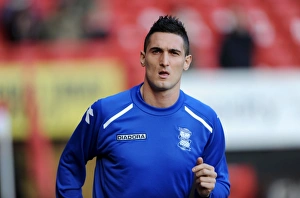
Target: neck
point(160, 99)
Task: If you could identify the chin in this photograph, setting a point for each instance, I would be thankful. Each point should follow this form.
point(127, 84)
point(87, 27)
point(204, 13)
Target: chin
point(163, 86)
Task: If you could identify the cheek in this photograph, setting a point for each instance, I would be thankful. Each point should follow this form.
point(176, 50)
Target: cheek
point(180, 67)
point(151, 66)
point(177, 73)
point(150, 71)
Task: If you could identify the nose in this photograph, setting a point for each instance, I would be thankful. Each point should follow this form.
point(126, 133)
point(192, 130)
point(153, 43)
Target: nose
point(164, 59)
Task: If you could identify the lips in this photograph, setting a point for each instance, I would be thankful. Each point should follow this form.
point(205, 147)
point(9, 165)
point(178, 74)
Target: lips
point(163, 73)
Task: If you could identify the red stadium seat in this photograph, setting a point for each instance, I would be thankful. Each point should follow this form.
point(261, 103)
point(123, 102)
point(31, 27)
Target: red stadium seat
point(244, 181)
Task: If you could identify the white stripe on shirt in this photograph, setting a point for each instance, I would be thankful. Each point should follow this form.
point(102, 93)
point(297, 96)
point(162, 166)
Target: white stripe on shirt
point(117, 116)
point(198, 118)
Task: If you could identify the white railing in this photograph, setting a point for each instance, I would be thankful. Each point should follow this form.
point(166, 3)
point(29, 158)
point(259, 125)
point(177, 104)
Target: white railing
point(259, 109)
point(6, 155)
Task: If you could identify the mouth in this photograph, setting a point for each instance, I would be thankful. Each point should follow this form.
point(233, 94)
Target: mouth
point(164, 74)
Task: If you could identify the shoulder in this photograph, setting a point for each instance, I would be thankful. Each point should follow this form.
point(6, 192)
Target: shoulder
point(199, 106)
point(200, 109)
point(113, 102)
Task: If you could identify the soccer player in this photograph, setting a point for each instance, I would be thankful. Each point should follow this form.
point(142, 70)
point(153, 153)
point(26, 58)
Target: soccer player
point(152, 140)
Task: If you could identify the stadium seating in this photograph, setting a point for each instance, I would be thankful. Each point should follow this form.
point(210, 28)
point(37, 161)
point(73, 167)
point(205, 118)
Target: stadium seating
point(275, 25)
point(270, 23)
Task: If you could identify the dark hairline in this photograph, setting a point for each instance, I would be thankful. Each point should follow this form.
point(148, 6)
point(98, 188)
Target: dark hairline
point(175, 27)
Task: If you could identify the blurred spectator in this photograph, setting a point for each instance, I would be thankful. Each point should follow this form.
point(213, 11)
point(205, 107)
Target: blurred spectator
point(76, 19)
point(96, 23)
point(237, 47)
point(64, 23)
point(20, 21)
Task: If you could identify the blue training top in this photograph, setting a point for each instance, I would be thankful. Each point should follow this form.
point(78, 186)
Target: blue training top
point(141, 150)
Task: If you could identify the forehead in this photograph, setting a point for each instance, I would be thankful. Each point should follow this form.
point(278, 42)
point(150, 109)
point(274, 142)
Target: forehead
point(166, 40)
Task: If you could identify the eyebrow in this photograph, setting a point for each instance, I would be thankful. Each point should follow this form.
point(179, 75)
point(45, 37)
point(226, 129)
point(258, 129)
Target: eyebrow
point(170, 50)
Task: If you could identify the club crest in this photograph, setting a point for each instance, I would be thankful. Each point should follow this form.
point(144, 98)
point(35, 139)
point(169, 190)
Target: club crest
point(184, 139)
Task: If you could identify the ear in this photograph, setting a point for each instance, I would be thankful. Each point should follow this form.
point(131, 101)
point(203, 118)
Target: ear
point(187, 62)
point(142, 58)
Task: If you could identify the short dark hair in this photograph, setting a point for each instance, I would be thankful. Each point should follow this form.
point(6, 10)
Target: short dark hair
point(169, 24)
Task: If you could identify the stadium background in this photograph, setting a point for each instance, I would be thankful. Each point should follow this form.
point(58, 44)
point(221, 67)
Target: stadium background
point(67, 54)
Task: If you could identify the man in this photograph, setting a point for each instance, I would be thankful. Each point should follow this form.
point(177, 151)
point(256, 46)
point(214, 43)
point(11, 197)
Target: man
point(152, 140)
point(237, 47)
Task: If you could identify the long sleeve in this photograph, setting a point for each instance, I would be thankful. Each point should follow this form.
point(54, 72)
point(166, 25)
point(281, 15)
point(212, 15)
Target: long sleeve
point(80, 148)
point(214, 155)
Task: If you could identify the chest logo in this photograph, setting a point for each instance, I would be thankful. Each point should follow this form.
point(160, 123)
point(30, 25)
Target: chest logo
point(184, 139)
point(137, 136)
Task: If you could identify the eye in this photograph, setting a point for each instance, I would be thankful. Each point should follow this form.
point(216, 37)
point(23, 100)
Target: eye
point(175, 52)
point(156, 51)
